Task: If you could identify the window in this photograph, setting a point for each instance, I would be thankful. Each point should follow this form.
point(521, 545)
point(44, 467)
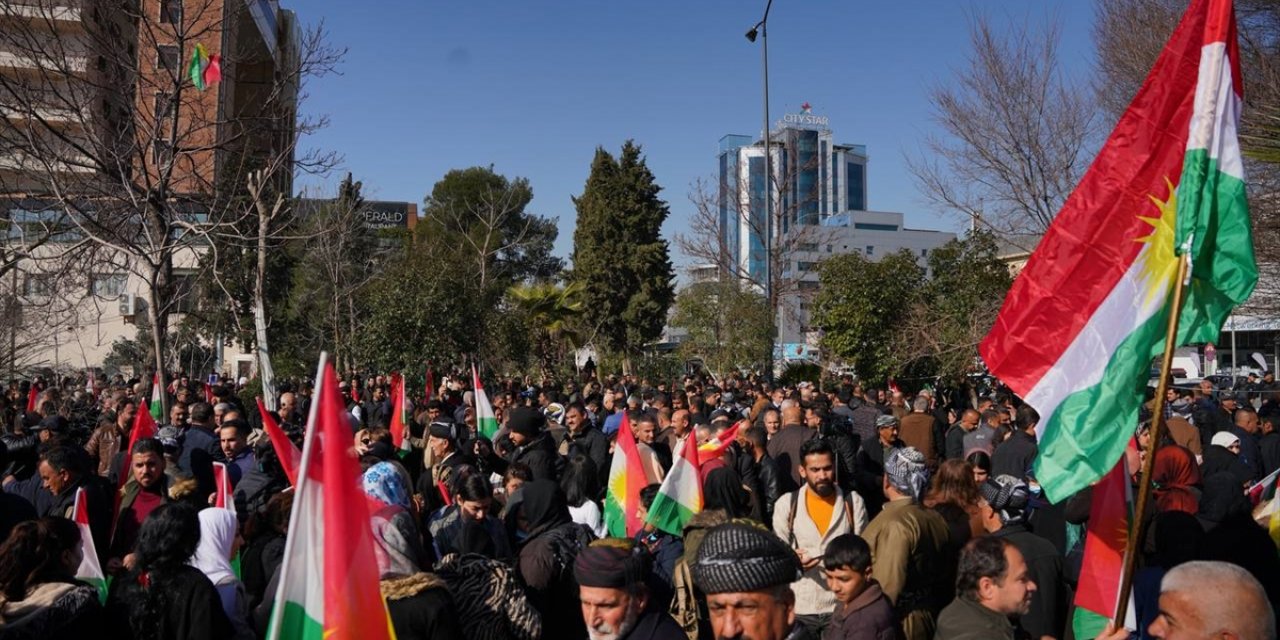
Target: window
point(38, 285)
point(171, 11)
point(184, 296)
point(163, 106)
point(855, 191)
point(806, 285)
point(807, 246)
point(875, 226)
point(167, 57)
point(108, 286)
point(924, 253)
point(871, 251)
point(806, 266)
point(828, 248)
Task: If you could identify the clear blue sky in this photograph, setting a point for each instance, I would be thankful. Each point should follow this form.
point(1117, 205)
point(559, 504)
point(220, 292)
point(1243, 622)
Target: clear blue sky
point(533, 87)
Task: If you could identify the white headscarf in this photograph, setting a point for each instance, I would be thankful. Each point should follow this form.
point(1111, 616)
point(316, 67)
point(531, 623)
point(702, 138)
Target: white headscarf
point(217, 535)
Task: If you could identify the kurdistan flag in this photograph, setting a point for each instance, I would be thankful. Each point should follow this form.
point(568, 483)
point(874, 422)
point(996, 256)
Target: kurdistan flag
point(680, 496)
point(157, 400)
point(1083, 321)
point(486, 422)
point(626, 479)
point(89, 571)
point(329, 577)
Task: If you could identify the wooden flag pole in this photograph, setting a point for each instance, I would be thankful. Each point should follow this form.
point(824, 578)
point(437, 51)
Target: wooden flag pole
point(1157, 431)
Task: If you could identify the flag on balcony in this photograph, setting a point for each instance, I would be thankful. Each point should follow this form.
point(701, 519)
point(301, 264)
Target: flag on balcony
point(205, 70)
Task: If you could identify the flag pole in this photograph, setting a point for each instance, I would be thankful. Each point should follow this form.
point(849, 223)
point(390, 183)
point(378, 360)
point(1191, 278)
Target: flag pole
point(1157, 431)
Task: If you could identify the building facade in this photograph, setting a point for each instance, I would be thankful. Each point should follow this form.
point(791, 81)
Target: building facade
point(104, 122)
point(820, 207)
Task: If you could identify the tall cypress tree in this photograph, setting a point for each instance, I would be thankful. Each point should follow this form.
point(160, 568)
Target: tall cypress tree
point(619, 254)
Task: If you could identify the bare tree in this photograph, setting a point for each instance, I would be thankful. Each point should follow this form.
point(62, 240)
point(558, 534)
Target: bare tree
point(1017, 132)
point(132, 153)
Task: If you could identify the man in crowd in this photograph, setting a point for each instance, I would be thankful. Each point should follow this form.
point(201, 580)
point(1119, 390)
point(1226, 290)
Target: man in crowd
point(1204, 599)
point(105, 443)
point(994, 588)
point(233, 436)
point(199, 436)
point(1003, 506)
point(907, 546)
point(581, 437)
point(784, 447)
point(614, 597)
point(808, 519)
point(1014, 456)
point(746, 574)
point(956, 435)
point(916, 430)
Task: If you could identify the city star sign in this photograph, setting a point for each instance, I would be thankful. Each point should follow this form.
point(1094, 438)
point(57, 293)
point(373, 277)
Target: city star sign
point(805, 118)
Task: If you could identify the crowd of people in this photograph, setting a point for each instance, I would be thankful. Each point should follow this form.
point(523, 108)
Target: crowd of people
point(840, 512)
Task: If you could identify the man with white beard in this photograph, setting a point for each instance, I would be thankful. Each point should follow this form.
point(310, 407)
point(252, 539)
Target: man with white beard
point(611, 588)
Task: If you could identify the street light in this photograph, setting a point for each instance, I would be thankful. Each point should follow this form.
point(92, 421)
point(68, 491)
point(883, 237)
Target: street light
point(762, 30)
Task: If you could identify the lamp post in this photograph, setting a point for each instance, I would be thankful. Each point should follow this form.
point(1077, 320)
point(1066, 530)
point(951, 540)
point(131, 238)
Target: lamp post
point(762, 30)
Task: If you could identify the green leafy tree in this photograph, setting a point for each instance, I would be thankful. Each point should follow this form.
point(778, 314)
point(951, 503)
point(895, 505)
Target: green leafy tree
point(728, 325)
point(958, 305)
point(550, 312)
point(620, 259)
point(415, 312)
point(861, 304)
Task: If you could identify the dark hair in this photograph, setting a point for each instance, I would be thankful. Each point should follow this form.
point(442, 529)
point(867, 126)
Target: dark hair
point(980, 460)
point(33, 554)
point(581, 481)
point(471, 487)
point(847, 551)
point(989, 414)
point(147, 445)
point(200, 412)
point(167, 539)
point(576, 406)
point(953, 484)
point(65, 458)
point(1026, 417)
point(241, 427)
point(757, 435)
point(816, 446)
point(648, 494)
point(982, 557)
point(518, 471)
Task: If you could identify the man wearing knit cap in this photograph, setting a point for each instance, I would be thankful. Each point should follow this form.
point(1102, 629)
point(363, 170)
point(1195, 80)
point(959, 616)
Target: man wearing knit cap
point(534, 447)
point(908, 544)
point(1003, 508)
point(746, 574)
point(615, 600)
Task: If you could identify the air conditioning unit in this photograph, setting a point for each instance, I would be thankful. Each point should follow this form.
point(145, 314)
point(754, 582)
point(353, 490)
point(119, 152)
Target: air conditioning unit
point(128, 305)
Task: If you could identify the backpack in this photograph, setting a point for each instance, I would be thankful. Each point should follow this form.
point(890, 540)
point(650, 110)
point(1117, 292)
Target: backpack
point(791, 517)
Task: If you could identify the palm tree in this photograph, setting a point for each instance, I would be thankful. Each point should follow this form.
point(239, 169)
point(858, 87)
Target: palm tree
point(550, 310)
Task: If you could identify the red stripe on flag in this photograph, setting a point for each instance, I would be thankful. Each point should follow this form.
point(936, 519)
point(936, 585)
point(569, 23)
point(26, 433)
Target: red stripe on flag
point(32, 395)
point(222, 487)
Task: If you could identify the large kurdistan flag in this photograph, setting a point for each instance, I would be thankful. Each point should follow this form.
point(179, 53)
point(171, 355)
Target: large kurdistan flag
point(1083, 321)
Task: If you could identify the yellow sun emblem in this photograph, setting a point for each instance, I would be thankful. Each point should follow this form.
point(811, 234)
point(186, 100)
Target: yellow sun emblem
point(1158, 263)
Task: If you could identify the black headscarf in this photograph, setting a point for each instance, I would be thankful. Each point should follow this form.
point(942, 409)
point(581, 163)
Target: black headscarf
point(723, 490)
point(1223, 498)
point(543, 505)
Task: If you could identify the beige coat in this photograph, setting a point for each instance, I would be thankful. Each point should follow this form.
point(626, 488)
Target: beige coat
point(812, 595)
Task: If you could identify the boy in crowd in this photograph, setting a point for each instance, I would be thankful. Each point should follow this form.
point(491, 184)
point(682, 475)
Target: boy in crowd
point(864, 613)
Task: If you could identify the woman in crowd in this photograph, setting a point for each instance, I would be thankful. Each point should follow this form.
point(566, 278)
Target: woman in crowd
point(954, 495)
point(39, 598)
point(162, 597)
point(581, 485)
point(417, 602)
point(219, 542)
point(724, 491)
point(981, 463)
point(1177, 480)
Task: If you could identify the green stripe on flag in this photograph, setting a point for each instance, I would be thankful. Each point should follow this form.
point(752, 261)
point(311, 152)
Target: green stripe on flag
point(669, 515)
point(295, 624)
point(1087, 624)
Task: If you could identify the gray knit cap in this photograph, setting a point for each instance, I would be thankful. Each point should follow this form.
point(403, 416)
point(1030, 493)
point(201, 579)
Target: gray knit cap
point(736, 558)
point(1008, 496)
point(905, 470)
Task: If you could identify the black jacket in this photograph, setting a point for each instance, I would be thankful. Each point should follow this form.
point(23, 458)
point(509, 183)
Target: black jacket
point(655, 625)
point(1014, 456)
point(420, 608)
point(767, 479)
point(190, 608)
point(870, 474)
point(593, 444)
point(539, 454)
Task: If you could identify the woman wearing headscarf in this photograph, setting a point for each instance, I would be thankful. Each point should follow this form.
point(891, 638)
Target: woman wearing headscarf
point(219, 542)
point(418, 602)
point(162, 597)
point(723, 490)
point(1177, 479)
point(548, 541)
point(1223, 454)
